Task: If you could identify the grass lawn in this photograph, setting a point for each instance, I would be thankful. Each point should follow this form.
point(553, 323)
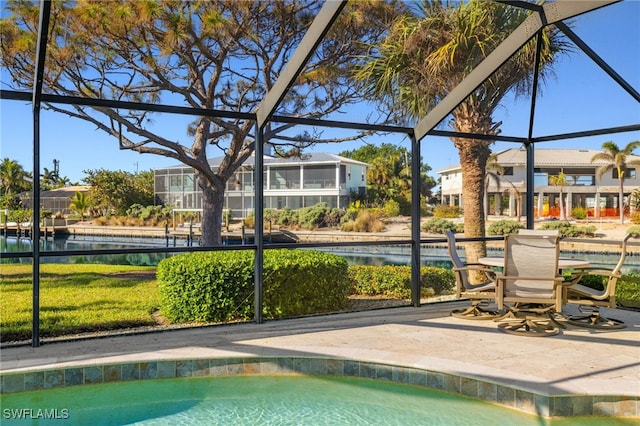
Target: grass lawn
point(92, 297)
point(77, 298)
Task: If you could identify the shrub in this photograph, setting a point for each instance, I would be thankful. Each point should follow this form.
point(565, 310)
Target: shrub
point(447, 211)
point(300, 282)
point(20, 215)
point(395, 281)
point(366, 221)
point(628, 291)
point(204, 287)
point(288, 218)
point(579, 213)
point(438, 225)
point(389, 280)
point(635, 218)
point(634, 230)
point(505, 227)
point(566, 229)
point(440, 280)
point(218, 286)
point(349, 216)
point(391, 208)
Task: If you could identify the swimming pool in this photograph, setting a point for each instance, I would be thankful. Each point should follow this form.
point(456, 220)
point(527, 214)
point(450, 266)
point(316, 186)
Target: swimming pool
point(280, 390)
point(264, 400)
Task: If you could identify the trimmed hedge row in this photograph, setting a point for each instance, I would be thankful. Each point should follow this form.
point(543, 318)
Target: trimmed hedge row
point(218, 286)
point(395, 281)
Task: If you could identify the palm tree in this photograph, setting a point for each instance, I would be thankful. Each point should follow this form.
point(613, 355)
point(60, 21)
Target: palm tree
point(426, 56)
point(616, 159)
point(80, 203)
point(560, 180)
point(492, 173)
point(12, 177)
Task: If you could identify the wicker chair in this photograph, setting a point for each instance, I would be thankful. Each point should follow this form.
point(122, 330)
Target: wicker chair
point(482, 294)
point(531, 289)
point(590, 300)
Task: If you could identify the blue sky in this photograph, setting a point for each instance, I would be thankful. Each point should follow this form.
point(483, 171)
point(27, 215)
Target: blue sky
point(580, 97)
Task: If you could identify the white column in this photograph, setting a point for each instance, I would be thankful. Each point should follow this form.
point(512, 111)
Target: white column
point(540, 203)
point(512, 204)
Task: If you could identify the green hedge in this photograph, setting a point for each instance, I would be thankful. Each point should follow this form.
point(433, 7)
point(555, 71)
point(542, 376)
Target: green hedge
point(628, 291)
point(437, 225)
point(395, 281)
point(566, 229)
point(218, 286)
point(505, 227)
point(627, 288)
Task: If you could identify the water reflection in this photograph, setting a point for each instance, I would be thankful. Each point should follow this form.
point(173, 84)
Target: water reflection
point(361, 255)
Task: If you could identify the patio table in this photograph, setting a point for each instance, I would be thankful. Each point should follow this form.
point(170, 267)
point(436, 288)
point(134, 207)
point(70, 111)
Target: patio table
point(563, 262)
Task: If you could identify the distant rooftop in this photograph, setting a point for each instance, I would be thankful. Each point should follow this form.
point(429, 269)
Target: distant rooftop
point(549, 157)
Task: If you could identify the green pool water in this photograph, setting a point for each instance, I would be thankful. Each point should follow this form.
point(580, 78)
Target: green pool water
point(262, 400)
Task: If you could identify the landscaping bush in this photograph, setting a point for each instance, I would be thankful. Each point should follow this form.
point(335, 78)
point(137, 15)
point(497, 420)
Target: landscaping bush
point(628, 291)
point(579, 213)
point(505, 227)
point(447, 211)
point(634, 230)
point(391, 208)
point(218, 286)
point(440, 280)
point(566, 229)
point(300, 282)
point(395, 281)
point(365, 221)
point(146, 213)
point(627, 288)
point(438, 225)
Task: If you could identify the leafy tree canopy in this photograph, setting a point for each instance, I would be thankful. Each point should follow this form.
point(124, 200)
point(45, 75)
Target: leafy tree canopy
point(389, 177)
point(116, 191)
point(214, 55)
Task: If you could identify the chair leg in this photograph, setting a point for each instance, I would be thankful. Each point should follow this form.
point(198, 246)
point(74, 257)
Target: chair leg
point(530, 324)
point(591, 318)
point(476, 312)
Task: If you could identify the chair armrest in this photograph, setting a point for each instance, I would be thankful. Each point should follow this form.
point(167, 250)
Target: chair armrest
point(576, 276)
point(595, 270)
point(476, 267)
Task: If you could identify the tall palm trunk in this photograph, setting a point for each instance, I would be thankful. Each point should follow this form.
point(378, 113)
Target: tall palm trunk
point(620, 198)
point(473, 162)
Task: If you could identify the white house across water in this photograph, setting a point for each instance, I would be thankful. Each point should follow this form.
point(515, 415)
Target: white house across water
point(583, 188)
point(292, 183)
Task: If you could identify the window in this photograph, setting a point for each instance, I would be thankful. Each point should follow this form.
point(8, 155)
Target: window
point(507, 171)
point(284, 178)
point(316, 177)
point(628, 173)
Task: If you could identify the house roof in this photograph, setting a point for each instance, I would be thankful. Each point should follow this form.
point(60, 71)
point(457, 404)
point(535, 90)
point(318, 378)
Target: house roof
point(545, 157)
point(64, 192)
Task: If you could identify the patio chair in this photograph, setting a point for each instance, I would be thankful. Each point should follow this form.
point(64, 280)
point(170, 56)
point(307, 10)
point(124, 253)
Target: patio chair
point(481, 294)
point(531, 288)
point(590, 300)
point(548, 232)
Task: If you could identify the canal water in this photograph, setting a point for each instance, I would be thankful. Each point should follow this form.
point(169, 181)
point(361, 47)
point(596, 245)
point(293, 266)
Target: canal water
point(355, 255)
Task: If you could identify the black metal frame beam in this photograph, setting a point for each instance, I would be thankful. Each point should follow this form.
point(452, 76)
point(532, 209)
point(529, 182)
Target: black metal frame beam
point(41, 56)
point(549, 13)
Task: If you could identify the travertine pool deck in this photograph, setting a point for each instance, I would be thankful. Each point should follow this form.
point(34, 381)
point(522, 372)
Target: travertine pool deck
point(593, 367)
